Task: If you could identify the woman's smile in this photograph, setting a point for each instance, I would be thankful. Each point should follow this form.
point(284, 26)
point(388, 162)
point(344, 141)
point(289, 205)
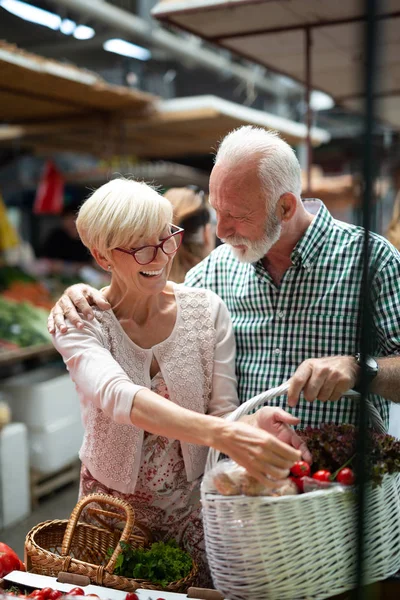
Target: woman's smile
point(151, 273)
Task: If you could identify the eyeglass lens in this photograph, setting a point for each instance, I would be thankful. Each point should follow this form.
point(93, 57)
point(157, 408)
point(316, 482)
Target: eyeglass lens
point(148, 254)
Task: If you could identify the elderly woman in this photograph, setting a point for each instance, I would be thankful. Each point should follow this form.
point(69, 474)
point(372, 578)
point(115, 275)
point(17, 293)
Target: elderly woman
point(155, 374)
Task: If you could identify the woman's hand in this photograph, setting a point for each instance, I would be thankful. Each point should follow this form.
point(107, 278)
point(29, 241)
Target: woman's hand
point(265, 457)
point(279, 423)
point(78, 297)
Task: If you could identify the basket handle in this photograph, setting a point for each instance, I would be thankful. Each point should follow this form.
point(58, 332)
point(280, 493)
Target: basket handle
point(263, 398)
point(100, 499)
point(101, 516)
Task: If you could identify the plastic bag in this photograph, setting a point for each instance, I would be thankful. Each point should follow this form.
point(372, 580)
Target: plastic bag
point(230, 479)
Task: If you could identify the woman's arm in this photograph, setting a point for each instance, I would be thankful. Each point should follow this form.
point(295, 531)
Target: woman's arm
point(101, 380)
point(262, 454)
point(224, 398)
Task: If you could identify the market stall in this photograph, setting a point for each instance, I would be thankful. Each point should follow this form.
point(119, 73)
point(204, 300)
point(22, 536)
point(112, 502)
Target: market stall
point(85, 114)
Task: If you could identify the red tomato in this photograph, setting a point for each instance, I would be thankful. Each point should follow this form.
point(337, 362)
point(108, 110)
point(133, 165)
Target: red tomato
point(46, 592)
point(76, 591)
point(301, 468)
point(322, 475)
point(131, 596)
point(36, 594)
point(345, 476)
point(9, 560)
point(55, 595)
point(21, 566)
point(299, 481)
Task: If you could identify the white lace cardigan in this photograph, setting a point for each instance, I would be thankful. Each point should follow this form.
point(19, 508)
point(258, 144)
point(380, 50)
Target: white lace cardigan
point(197, 362)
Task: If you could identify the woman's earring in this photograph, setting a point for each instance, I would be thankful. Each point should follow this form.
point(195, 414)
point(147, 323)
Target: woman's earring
point(109, 267)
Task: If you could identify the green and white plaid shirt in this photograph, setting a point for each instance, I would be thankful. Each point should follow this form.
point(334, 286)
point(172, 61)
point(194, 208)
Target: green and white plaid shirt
point(313, 313)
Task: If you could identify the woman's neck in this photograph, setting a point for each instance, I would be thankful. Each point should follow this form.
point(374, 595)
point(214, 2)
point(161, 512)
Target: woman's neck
point(128, 305)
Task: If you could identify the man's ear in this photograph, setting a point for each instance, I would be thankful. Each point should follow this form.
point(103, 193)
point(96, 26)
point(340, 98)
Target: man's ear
point(286, 206)
point(101, 260)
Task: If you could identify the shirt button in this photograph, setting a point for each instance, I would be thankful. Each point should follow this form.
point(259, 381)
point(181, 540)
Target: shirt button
point(277, 351)
point(281, 314)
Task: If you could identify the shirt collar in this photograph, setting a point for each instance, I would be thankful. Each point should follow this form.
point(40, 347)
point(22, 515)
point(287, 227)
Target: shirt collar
point(308, 247)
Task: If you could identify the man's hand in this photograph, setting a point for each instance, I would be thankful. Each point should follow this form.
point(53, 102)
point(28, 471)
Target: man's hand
point(78, 297)
point(325, 379)
point(278, 422)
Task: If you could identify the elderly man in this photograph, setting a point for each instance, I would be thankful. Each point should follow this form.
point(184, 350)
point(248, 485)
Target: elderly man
point(291, 277)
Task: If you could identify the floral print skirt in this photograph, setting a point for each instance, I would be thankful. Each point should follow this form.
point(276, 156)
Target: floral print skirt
point(164, 501)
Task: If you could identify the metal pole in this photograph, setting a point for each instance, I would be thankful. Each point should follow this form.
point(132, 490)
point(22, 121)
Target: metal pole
point(308, 43)
point(366, 334)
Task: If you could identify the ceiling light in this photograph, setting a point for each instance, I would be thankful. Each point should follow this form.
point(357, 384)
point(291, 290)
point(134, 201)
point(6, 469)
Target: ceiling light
point(31, 13)
point(321, 101)
point(83, 32)
point(67, 26)
point(127, 49)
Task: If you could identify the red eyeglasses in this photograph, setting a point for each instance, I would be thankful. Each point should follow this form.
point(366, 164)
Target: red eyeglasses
point(169, 245)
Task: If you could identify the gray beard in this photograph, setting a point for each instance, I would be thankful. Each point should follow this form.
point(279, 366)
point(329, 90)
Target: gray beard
point(258, 249)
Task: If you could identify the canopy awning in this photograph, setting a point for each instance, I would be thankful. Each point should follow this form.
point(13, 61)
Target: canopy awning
point(273, 33)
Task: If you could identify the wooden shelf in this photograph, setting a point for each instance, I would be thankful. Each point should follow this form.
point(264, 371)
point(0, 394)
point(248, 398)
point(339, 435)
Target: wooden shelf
point(9, 357)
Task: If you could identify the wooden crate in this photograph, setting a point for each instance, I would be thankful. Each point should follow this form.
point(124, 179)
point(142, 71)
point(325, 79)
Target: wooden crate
point(44, 484)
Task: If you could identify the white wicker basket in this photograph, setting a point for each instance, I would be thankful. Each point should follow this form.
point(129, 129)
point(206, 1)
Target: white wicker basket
point(295, 547)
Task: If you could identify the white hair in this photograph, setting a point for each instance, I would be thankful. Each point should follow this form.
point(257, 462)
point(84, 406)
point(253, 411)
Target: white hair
point(278, 167)
point(120, 212)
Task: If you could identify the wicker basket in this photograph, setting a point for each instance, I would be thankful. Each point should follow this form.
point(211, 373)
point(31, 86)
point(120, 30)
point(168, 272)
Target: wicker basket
point(76, 547)
point(297, 546)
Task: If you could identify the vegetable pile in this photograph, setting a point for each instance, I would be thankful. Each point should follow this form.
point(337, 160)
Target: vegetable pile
point(333, 448)
point(24, 304)
point(162, 563)
point(22, 324)
point(49, 593)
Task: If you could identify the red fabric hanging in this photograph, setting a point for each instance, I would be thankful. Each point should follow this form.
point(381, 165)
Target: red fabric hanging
point(50, 192)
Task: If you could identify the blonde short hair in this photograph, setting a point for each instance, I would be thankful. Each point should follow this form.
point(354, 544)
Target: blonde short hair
point(120, 212)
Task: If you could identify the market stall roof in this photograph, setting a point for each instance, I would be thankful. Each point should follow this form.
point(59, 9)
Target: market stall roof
point(185, 126)
point(33, 88)
point(273, 33)
point(164, 173)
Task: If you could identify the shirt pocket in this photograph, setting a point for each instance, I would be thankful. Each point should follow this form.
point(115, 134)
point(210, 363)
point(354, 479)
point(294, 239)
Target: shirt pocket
point(312, 335)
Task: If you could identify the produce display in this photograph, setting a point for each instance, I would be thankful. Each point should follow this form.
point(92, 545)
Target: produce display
point(24, 306)
point(49, 593)
point(25, 302)
point(22, 325)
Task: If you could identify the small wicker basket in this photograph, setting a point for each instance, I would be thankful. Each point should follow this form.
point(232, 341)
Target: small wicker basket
point(80, 548)
point(303, 546)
